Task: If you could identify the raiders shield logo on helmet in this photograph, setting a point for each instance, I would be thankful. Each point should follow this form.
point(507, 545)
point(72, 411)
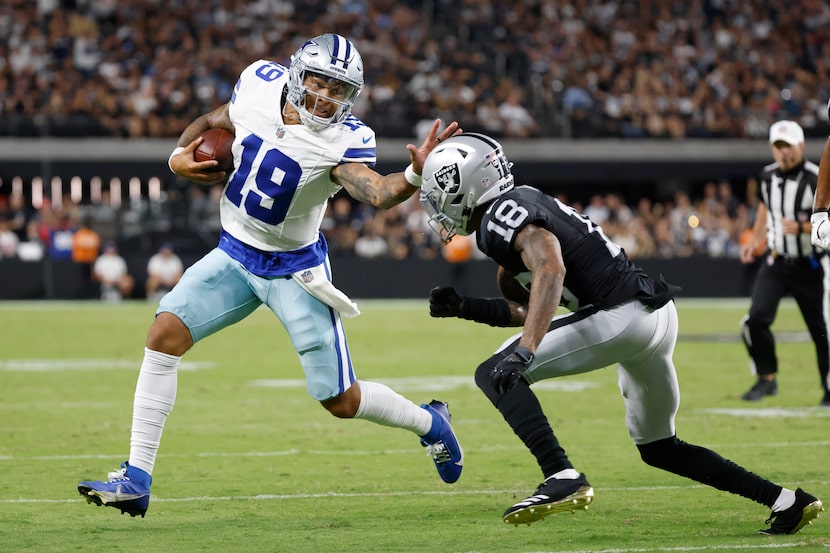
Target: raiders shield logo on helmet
point(448, 178)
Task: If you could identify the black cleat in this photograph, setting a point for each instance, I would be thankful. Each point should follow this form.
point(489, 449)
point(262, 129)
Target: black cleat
point(552, 496)
point(760, 389)
point(790, 521)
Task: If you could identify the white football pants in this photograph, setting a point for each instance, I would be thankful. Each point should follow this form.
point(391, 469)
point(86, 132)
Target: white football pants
point(639, 340)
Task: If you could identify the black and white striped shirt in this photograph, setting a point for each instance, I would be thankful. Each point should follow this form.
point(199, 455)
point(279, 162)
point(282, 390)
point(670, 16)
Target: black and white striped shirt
point(789, 195)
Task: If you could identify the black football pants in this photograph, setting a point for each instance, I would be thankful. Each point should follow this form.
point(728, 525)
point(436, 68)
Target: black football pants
point(803, 279)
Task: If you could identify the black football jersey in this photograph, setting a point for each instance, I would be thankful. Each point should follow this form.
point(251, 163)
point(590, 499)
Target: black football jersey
point(597, 270)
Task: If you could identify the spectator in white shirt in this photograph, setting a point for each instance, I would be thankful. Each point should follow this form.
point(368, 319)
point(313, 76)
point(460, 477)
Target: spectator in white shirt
point(8, 240)
point(164, 270)
point(110, 270)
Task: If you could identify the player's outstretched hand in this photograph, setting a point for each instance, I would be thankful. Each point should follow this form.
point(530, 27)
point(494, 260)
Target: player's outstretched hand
point(418, 154)
point(820, 235)
point(444, 301)
point(507, 372)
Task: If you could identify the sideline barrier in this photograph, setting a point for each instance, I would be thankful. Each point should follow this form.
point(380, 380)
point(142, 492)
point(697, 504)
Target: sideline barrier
point(378, 278)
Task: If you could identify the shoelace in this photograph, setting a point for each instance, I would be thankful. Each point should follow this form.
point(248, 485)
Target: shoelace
point(119, 474)
point(438, 451)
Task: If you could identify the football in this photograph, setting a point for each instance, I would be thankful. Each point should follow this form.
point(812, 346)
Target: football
point(216, 145)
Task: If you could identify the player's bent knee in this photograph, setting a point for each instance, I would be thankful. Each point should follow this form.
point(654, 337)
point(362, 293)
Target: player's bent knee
point(343, 406)
point(752, 324)
point(659, 454)
point(168, 334)
point(482, 378)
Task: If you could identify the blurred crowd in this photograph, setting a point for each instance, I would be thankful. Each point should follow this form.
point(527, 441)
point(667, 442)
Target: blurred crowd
point(521, 68)
point(518, 69)
point(713, 224)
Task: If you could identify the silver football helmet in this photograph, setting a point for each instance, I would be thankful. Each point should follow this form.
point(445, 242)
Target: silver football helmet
point(334, 59)
point(461, 173)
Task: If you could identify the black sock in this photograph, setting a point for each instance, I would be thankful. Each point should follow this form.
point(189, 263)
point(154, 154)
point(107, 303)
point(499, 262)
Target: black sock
point(522, 411)
point(707, 467)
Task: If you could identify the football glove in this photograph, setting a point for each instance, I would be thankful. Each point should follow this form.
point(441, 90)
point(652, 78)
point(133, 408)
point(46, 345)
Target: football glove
point(444, 302)
point(820, 235)
point(507, 372)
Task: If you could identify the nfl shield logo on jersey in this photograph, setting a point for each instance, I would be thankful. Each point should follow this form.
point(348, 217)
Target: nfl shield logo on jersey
point(307, 276)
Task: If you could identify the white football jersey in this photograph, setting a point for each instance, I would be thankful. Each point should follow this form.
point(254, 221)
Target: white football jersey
point(276, 196)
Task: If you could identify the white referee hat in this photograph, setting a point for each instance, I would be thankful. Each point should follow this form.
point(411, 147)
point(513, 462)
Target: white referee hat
point(788, 131)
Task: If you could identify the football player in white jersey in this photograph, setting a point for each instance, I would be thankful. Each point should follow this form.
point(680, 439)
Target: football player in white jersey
point(296, 144)
point(550, 255)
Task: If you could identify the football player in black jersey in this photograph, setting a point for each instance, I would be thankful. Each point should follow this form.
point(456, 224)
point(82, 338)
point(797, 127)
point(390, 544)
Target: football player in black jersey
point(550, 255)
point(820, 233)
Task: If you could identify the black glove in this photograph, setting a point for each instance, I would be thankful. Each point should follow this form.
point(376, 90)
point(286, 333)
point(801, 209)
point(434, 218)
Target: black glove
point(444, 302)
point(507, 372)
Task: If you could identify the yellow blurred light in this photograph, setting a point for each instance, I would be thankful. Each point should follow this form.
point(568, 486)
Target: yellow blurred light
point(693, 221)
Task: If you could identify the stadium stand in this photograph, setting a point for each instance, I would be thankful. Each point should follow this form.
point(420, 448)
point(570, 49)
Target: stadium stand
point(527, 70)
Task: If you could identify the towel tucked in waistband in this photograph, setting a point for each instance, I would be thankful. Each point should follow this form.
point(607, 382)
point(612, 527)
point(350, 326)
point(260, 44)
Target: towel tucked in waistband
point(315, 282)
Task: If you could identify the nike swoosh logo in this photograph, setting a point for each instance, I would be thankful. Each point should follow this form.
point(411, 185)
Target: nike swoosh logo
point(367, 139)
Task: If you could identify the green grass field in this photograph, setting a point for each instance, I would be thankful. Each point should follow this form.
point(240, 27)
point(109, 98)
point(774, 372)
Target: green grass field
point(250, 463)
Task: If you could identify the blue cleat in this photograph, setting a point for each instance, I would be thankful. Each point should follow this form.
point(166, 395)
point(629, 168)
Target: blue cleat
point(127, 489)
point(442, 444)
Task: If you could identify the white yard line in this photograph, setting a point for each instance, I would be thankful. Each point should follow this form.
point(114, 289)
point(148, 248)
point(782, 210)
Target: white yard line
point(335, 495)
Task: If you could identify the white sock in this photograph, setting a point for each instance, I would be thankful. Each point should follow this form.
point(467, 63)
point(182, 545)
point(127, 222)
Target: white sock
point(566, 474)
point(786, 499)
point(382, 405)
point(155, 395)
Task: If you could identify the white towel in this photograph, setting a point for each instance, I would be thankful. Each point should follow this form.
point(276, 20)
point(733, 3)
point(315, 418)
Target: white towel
point(315, 282)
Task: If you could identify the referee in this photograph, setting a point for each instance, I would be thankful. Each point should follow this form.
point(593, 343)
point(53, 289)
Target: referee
point(792, 266)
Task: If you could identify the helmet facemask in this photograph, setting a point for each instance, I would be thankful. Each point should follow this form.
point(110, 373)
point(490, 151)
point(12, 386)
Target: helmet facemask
point(327, 68)
point(445, 226)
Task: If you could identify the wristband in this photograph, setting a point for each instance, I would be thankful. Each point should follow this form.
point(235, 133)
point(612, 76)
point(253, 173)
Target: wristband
point(820, 210)
point(412, 177)
point(176, 151)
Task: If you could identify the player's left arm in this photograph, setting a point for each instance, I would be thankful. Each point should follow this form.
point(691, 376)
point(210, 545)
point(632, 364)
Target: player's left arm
point(822, 197)
point(819, 224)
point(516, 296)
point(367, 185)
point(542, 255)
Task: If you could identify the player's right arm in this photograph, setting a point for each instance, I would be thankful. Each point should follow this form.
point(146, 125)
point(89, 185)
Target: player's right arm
point(182, 162)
